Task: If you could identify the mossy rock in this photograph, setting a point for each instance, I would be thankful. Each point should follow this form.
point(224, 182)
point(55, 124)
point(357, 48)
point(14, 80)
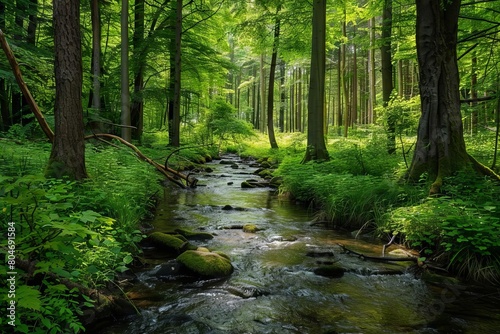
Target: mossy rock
point(206, 264)
point(247, 185)
point(250, 228)
point(194, 235)
point(266, 174)
point(170, 242)
point(332, 271)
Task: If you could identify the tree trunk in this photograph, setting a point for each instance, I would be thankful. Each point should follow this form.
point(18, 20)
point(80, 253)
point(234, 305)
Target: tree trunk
point(440, 148)
point(272, 73)
point(316, 148)
point(137, 107)
point(387, 82)
point(67, 157)
point(372, 115)
point(174, 110)
point(282, 96)
point(125, 93)
point(95, 93)
point(4, 102)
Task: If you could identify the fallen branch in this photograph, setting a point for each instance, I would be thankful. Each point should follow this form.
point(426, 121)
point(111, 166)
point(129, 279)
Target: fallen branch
point(24, 89)
point(377, 258)
point(166, 171)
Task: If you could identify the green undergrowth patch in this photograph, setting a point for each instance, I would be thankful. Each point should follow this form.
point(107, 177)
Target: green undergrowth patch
point(459, 229)
point(81, 232)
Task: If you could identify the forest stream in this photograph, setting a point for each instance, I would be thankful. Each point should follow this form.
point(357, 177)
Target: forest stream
point(274, 287)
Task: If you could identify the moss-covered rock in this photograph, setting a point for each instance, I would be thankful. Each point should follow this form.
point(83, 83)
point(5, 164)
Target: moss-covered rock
point(206, 264)
point(194, 235)
point(250, 228)
point(169, 242)
point(247, 185)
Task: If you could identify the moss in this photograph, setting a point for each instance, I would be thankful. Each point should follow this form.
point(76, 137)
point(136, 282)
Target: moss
point(169, 242)
point(250, 228)
point(206, 264)
point(194, 235)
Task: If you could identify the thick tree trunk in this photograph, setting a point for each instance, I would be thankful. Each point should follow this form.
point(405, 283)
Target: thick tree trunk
point(316, 148)
point(372, 115)
point(440, 148)
point(68, 150)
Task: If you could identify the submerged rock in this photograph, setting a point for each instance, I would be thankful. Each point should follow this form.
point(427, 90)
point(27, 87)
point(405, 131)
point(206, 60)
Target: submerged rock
point(332, 271)
point(246, 291)
point(206, 264)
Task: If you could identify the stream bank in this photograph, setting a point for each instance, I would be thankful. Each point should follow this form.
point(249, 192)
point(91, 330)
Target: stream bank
point(276, 286)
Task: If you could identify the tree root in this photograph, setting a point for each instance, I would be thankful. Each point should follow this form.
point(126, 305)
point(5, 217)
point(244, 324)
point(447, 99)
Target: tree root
point(480, 168)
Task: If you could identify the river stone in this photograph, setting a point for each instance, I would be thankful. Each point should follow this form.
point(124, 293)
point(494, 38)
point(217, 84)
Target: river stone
point(206, 264)
point(194, 235)
point(250, 228)
point(332, 271)
point(247, 185)
point(170, 242)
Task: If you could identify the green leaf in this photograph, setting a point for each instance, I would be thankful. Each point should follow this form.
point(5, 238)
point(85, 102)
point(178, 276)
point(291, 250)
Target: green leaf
point(28, 297)
point(128, 259)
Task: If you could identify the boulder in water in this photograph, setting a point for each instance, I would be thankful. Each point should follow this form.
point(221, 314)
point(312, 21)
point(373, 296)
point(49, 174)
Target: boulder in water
point(206, 264)
point(332, 271)
point(194, 235)
point(169, 242)
point(251, 228)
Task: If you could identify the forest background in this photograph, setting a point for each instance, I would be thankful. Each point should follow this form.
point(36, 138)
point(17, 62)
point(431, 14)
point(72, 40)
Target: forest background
point(238, 76)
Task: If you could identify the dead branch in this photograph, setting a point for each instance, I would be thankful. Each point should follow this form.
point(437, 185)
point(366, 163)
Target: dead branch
point(166, 171)
point(377, 258)
point(24, 89)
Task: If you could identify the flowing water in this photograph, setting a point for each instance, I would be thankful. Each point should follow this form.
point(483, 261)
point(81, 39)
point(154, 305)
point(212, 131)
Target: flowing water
point(276, 266)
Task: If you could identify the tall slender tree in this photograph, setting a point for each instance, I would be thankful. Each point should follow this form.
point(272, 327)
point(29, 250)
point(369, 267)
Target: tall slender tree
point(387, 70)
point(272, 73)
point(316, 147)
point(125, 93)
point(67, 157)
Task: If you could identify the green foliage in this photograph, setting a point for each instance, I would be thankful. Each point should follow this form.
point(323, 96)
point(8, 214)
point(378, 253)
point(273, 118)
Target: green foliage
point(461, 228)
point(221, 124)
point(345, 199)
point(67, 230)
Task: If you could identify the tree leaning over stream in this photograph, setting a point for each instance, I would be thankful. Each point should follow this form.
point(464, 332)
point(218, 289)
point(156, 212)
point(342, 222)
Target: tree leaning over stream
point(440, 150)
point(316, 147)
point(67, 158)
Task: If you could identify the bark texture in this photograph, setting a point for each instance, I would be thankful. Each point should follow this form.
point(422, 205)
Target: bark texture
point(440, 148)
point(67, 157)
point(316, 148)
